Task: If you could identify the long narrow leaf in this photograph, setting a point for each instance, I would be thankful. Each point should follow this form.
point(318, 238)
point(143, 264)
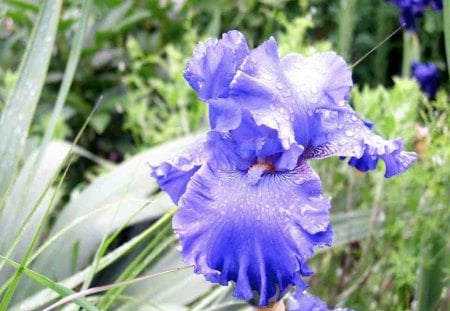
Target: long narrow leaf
point(24, 194)
point(57, 288)
point(21, 103)
point(126, 186)
point(45, 296)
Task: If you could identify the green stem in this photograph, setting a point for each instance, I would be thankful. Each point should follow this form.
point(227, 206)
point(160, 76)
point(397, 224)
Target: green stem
point(346, 27)
point(411, 51)
point(406, 55)
point(446, 14)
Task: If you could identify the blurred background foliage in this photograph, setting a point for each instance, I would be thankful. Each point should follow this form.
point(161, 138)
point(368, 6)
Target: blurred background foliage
point(396, 247)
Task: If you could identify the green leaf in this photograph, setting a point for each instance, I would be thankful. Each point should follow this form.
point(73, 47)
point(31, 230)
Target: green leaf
point(45, 281)
point(45, 296)
point(22, 101)
point(446, 15)
point(124, 188)
point(17, 226)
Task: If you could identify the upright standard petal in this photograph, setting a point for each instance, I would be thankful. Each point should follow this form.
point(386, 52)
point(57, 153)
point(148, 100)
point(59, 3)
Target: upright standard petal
point(174, 174)
point(261, 89)
point(214, 63)
point(258, 235)
point(344, 133)
point(282, 94)
point(210, 72)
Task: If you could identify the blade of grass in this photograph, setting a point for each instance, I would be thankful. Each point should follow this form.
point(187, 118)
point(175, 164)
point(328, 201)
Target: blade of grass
point(157, 245)
point(446, 16)
point(15, 282)
point(69, 72)
point(129, 180)
point(25, 192)
point(45, 296)
point(62, 95)
point(45, 281)
point(178, 289)
point(106, 242)
point(23, 98)
point(346, 27)
point(107, 287)
point(65, 86)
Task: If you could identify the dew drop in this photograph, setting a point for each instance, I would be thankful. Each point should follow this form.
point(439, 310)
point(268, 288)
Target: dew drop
point(349, 133)
point(354, 118)
point(314, 90)
point(281, 110)
point(314, 100)
point(279, 86)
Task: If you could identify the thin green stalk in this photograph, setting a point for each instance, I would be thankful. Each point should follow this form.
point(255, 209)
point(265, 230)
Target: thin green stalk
point(45, 281)
point(62, 95)
point(157, 245)
point(411, 51)
point(406, 59)
point(346, 27)
point(446, 14)
point(69, 72)
point(16, 278)
point(45, 296)
point(99, 289)
point(16, 118)
point(105, 243)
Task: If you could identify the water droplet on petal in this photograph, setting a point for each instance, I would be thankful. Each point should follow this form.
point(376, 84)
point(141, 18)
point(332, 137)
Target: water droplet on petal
point(349, 133)
point(279, 86)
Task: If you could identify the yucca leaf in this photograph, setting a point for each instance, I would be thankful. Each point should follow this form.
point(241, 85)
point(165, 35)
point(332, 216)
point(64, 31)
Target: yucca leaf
point(126, 187)
point(23, 196)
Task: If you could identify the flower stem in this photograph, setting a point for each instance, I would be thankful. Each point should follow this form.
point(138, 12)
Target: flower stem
point(446, 14)
point(411, 51)
point(278, 306)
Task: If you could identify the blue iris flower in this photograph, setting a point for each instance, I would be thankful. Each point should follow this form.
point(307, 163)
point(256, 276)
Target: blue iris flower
point(427, 76)
point(251, 208)
point(302, 301)
point(410, 10)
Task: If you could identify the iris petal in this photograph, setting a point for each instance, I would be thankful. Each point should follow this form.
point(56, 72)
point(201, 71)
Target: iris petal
point(258, 235)
point(210, 72)
point(281, 93)
point(260, 87)
point(321, 79)
point(301, 301)
point(174, 175)
point(344, 133)
point(214, 64)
